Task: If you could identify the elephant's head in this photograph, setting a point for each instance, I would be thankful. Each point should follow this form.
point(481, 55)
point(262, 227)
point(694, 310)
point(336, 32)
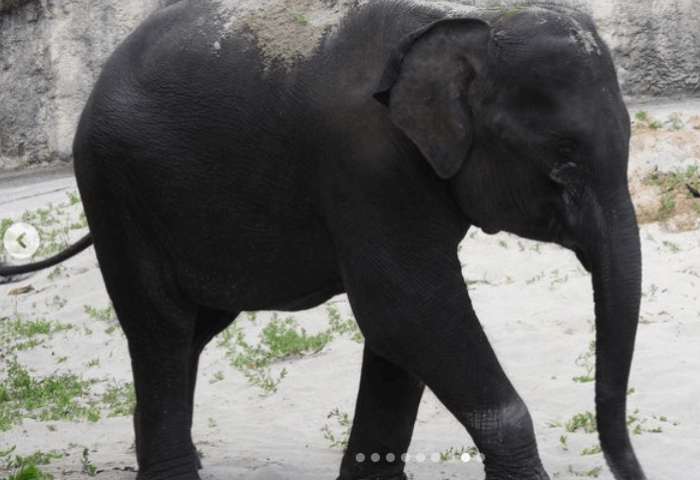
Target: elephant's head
point(524, 117)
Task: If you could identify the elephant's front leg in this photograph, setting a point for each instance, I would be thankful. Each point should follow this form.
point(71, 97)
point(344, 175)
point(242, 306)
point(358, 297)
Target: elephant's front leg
point(387, 404)
point(413, 308)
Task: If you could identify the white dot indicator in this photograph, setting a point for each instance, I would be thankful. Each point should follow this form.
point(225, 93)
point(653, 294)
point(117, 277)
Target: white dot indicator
point(390, 457)
point(420, 457)
point(405, 457)
point(465, 457)
point(360, 457)
point(375, 457)
point(435, 457)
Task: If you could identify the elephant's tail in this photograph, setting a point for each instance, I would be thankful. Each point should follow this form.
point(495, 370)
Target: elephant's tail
point(8, 272)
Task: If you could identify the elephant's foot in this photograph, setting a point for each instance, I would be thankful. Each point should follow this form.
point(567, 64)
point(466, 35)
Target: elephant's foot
point(197, 458)
point(536, 472)
point(167, 476)
point(174, 472)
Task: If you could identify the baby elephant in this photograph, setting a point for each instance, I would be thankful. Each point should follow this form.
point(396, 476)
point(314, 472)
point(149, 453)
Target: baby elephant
point(224, 168)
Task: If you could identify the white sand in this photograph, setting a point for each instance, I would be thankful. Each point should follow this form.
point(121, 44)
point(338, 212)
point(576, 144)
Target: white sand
point(534, 301)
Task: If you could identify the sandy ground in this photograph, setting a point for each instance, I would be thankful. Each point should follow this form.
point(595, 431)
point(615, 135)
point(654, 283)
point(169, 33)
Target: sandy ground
point(534, 301)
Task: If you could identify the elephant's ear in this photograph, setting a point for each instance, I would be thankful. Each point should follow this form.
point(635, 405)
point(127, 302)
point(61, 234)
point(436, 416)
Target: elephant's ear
point(425, 85)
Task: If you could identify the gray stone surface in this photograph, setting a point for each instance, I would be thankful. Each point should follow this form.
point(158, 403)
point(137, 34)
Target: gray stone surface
point(51, 52)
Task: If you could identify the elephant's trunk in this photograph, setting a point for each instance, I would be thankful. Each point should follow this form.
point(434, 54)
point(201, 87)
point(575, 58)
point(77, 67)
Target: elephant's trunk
point(616, 266)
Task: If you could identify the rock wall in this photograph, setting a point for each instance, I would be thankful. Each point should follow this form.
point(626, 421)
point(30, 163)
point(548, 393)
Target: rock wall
point(51, 52)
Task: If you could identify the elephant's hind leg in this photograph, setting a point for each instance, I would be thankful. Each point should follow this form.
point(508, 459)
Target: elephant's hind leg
point(210, 323)
point(165, 333)
point(385, 413)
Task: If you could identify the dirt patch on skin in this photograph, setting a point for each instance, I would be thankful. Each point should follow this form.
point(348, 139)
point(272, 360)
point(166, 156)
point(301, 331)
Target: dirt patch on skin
point(286, 29)
point(667, 197)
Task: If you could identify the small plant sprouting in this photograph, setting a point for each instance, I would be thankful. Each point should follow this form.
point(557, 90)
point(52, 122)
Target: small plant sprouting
point(217, 377)
point(674, 248)
point(73, 198)
point(339, 435)
point(120, 400)
point(452, 454)
point(280, 339)
point(535, 279)
point(675, 186)
point(675, 123)
point(592, 451)
point(511, 11)
point(55, 272)
point(562, 441)
point(26, 467)
point(586, 361)
point(641, 115)
point(88, 467)
point(585, 421)
point(95, 362)
point(303, 19)
point(592, 473)
point(104, 314)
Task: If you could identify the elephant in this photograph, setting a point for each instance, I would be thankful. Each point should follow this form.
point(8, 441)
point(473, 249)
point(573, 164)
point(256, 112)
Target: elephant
point(219, 175)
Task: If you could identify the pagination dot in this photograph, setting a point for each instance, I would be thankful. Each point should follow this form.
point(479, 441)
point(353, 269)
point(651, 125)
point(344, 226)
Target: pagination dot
point(360, 457)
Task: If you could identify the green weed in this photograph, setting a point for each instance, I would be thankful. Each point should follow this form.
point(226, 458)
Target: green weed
point(73, 198)
point(562, 441)
point(25, 468)
point(217, 377)
point(592, 451)
point(88, 467)
point(338, 434)
point(641, 116)
point(511, 10)
point(120, 400)
point(675, 186)
point(535, 279)
point(592, 473)
point(587, 362)
point(674, 248)
point(582, 421)
point(674, 123)
point(280, 339)
point(303, 19)
point(104, 314)
point(53, 397)
point(453, 454)
point(19, 334)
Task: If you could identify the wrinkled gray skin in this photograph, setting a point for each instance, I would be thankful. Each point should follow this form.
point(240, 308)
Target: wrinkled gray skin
point(216, 180)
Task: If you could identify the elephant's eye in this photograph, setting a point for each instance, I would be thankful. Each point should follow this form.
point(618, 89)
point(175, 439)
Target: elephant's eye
point(567, 149)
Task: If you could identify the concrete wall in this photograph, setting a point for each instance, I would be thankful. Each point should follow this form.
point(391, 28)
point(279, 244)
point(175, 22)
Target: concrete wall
point(51, 52)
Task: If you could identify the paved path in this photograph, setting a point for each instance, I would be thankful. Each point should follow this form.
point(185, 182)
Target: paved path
point(32, 189)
